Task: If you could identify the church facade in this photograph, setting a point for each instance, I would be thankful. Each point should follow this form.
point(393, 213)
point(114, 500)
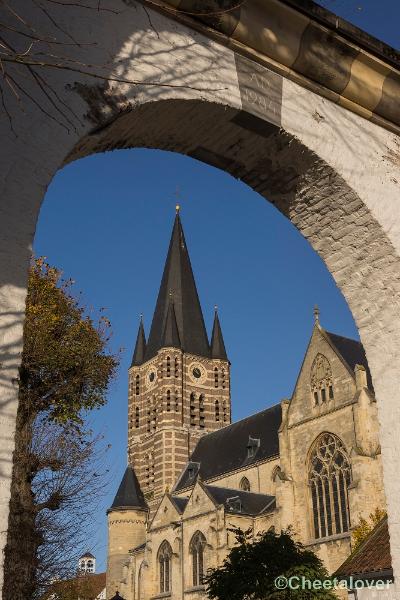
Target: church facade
point(311, 462)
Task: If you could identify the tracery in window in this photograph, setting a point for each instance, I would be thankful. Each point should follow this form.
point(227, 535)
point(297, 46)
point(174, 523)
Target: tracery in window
point(244, 484)
point(197, 545)
point(321, 380)
point(329, 479)
point(164, 562)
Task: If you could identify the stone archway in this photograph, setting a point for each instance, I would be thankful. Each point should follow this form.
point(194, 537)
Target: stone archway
point(332, 173)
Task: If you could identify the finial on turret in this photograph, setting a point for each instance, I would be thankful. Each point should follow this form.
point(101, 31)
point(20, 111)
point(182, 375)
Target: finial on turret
point(316, 314)
point(215, 308)
point(177, 208)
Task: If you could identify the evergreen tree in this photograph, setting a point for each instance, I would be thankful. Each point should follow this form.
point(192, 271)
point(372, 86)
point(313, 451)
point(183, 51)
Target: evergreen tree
point(252, 568)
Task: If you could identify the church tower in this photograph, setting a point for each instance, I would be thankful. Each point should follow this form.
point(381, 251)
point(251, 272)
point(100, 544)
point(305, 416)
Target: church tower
point(179, 383)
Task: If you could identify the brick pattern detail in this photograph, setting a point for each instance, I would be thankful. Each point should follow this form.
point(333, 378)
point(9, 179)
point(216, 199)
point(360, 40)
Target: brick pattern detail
point(167, 417)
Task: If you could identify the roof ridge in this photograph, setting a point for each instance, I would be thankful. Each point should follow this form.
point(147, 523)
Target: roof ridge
point(218, 487)
point(344, 337)
point(207, 435)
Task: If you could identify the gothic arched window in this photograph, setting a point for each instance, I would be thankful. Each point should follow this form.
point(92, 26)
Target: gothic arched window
point(329, 479)
point(176, 367)
point(216, 410)
point(201, 411)
point(244, 484)
point(192, 409)
point(216, 377)
point(321, 380)
point(197, 545)
point(164, 562)
point(137, 417)
point(137, 385)
point(168, 366)
point(168, 400)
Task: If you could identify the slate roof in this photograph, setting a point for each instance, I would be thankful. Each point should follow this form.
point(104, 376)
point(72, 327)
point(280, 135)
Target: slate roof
point(250, 503)
point(87, 555)
point(129, 494)
point(140, 346)
point(170, 337)
point(138, 548)
point(352, 352)
point(180, 503)
point(178, 282)
point(371, 560)
point(217, 341)
point(225, 450)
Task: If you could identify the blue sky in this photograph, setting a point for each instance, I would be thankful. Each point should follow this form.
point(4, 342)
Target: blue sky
point(106, 222)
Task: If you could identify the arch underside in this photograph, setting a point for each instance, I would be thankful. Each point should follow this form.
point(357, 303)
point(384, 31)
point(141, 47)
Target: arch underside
point(315, 198)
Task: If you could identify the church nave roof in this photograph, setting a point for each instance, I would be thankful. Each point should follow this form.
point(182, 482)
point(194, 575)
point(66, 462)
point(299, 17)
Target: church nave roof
point(228, 449)
point(239, 501)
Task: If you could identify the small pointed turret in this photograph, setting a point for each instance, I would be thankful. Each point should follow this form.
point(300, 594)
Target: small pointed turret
point(170, 337)
point(217, 341)
point(140, 346)
point(129, 494)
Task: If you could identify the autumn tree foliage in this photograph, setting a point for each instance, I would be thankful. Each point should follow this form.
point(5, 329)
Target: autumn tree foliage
point(364, 527)
point(253, 566)
point(65, 372)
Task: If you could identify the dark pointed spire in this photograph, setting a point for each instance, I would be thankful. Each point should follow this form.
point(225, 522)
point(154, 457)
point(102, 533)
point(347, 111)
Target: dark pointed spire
point(178, 279)
point(129, 494)
point(170, 337)
point(140, 346)
point(217, 341)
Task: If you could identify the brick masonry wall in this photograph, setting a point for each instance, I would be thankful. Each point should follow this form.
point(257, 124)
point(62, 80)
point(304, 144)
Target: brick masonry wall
point(168, 412)
point(332, 173)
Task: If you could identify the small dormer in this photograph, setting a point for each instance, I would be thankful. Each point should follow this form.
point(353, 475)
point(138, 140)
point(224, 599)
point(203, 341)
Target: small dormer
point(252, 447)
point(234, 504)
point(192, 470)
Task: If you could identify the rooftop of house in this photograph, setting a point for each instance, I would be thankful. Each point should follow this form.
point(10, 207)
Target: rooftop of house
point(371, 559)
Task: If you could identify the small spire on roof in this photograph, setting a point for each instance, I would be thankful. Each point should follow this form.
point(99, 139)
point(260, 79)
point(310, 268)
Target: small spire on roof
point(177, 208)
point(316, 314)
point(217, 340)
point(140, 346)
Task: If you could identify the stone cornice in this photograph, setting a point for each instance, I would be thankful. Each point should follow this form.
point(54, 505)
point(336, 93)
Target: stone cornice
point(313, 47)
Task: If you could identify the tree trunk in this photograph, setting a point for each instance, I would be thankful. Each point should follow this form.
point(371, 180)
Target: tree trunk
point(23, 541)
